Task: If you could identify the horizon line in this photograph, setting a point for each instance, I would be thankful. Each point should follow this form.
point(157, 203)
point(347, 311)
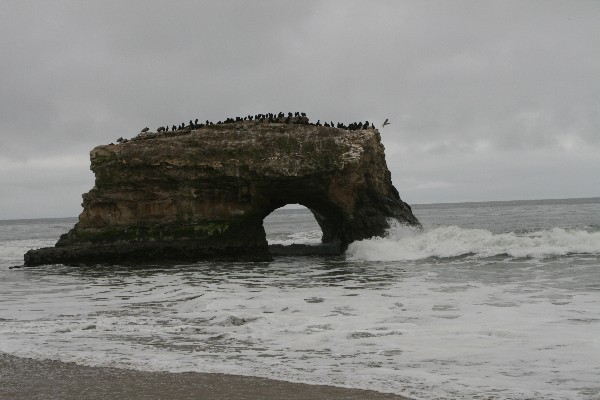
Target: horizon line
point(413, 204)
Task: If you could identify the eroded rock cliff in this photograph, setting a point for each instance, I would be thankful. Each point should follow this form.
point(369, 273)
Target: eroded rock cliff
point(200, 194)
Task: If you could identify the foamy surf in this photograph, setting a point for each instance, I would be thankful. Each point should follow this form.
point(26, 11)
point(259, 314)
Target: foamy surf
point(403, 243)
point(507, 328)
point(312, 237)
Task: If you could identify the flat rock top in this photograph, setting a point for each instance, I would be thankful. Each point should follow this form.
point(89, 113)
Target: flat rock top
point(270, 148)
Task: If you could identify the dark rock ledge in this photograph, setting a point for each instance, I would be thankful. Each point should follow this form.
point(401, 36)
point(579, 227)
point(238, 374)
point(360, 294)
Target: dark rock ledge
point(203, 194)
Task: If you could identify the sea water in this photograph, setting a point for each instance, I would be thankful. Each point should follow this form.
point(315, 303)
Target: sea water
point(495, 300)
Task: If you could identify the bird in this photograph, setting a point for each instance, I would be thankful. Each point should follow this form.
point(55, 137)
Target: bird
point(385, 123)
point(146, 129)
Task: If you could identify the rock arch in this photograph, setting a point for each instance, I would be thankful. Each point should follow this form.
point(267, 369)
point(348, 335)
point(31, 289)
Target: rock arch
point(203, 194)
point(327, 214)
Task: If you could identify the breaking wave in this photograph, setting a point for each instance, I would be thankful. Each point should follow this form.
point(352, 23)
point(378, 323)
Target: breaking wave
point(403, 243)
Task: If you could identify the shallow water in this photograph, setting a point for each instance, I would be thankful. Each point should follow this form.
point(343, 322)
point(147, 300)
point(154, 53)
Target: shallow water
point(490, 299)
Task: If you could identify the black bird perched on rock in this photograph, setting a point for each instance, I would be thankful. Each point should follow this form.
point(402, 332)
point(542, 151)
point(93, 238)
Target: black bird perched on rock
point(385, 123)
point(146, 129)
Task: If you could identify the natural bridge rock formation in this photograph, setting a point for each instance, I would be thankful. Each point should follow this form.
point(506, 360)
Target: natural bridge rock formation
point(201, 194)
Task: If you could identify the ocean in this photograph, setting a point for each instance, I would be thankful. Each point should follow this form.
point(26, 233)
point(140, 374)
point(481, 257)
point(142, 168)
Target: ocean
point(495, 300)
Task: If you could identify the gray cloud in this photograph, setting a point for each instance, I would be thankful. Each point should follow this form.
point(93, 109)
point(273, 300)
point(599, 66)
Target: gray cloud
point(485, 98)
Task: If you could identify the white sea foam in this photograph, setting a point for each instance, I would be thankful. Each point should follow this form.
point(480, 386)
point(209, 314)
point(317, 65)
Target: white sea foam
point(422, 335)
point(12, 251)
point(403, 243)
point(310, 237)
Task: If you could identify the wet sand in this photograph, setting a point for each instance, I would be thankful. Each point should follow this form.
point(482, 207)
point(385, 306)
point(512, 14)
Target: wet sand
point(23, 378)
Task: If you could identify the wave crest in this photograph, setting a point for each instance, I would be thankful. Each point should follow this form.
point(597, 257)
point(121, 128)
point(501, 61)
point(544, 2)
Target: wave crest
point(404, 243)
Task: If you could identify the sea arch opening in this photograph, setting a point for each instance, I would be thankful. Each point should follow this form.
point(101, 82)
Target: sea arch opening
point(296, 229)
point(292, 224)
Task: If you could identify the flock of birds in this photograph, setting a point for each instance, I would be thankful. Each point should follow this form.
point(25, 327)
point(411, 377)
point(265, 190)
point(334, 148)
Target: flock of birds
point(289, 118)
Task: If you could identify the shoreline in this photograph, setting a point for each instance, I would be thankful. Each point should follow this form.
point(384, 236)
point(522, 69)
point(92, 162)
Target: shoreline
point(26, 378)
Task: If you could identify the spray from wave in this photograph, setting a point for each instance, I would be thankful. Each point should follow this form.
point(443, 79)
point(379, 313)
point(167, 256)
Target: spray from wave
point(403, 243)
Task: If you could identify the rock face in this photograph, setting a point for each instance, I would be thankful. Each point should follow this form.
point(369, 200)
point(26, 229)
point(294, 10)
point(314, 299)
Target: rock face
point(201, 194)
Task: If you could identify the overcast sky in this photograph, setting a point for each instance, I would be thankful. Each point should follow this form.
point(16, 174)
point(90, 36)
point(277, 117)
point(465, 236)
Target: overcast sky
point(487, 100)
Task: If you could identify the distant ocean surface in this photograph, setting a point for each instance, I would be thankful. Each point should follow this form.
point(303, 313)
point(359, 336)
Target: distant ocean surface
point(497, 300)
